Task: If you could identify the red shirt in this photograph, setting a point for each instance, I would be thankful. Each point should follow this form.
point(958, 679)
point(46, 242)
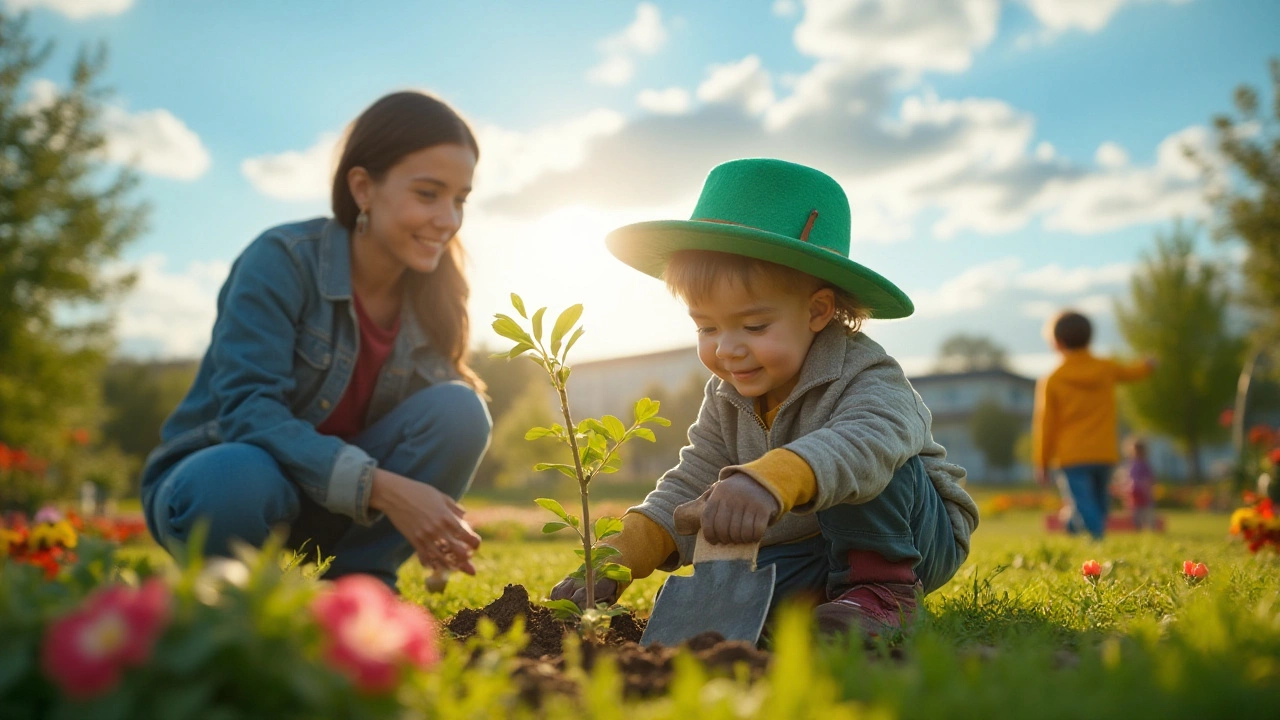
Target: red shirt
point(347, 419)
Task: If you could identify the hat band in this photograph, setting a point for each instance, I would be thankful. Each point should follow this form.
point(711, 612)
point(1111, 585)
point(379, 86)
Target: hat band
point(804, 233)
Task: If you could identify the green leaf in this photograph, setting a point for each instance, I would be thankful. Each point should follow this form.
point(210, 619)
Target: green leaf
point(615, 572)
point(14, 663)
point(553, 527)
point(563, 609)
point(572, 339)
point(607, 526)
point(614, 464)
point(563, 324)
point(593, 425)
point(537, 323)
point(518, 304)
point(555, 507)
point(567, 470)
point(644, 434)
point(581, 572)
point(519, 349)
point(614, 427)
point(539, 432)
point(564, 374)
point(645, 409)
point(659, 421)
point(602, 553)
point(510, 329)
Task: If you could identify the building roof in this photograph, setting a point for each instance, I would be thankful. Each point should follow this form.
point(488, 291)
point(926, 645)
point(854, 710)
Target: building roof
point(971, 375)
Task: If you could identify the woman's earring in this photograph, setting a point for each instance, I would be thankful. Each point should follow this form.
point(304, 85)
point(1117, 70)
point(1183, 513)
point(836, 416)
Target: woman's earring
point(362, 222)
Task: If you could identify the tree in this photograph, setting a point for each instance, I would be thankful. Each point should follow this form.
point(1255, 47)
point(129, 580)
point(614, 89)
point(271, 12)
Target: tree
point(63, 214)
point(1245, 192)
point(968, 353)
point(1177, 314)
point(995, 431)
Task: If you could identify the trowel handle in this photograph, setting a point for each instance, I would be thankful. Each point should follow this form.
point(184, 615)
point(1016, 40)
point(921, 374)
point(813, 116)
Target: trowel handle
point(688, 521)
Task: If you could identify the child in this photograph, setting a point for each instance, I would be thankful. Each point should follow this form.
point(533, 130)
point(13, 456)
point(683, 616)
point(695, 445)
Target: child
point(810, 439)
point(1141, 486)
point(1074, 425)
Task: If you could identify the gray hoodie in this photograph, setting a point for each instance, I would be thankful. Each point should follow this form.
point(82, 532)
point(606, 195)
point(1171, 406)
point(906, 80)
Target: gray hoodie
point(853, 417)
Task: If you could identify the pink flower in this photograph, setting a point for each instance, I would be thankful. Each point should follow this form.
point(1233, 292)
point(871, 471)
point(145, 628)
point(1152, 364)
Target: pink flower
point(116, 627)
point(372, 634)
point(1091, 569)
point(1227, 417)
point(47, 514)
point(1195, 571)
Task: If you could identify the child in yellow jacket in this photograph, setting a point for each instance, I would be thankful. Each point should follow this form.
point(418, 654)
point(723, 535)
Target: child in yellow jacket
point(1074, 426)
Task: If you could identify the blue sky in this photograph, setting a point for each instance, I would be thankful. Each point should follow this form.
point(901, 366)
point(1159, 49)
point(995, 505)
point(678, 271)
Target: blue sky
point(1002, 158)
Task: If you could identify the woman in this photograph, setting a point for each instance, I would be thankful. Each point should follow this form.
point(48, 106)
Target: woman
point(335, 396)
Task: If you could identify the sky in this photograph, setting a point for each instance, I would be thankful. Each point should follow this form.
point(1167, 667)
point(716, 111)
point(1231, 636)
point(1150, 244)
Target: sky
point(1002, 160)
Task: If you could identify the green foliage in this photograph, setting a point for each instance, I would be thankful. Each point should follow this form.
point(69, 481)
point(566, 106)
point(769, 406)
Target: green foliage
point(593, 443)
point(995, 431)
point(1246, 194)
point(1177, 313)
point(63, 215)
point(970, 353)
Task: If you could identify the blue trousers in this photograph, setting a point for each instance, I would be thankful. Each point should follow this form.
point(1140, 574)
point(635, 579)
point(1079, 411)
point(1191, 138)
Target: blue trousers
point(436, 436)
point(907, 521)
point(1087, 487)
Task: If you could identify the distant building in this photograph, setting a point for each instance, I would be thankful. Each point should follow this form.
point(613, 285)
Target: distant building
point(952, 398)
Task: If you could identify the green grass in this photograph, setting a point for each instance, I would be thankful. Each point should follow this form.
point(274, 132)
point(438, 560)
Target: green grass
point(1018, 632)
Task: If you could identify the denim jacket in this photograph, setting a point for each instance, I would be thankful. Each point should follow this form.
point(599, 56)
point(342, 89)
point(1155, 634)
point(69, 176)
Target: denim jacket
point(283, 350)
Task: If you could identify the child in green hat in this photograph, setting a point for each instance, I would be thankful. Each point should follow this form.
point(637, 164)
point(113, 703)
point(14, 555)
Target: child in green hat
point(810, 439)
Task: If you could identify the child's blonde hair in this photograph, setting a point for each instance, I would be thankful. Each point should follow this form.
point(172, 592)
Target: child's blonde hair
point(692, 276)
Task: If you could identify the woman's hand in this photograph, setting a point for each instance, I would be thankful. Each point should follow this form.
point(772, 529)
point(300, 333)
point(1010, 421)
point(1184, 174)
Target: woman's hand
point(430, 520)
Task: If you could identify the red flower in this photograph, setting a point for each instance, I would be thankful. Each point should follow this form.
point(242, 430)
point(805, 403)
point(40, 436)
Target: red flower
point(6, 457)
point(1227, 417)
point(79, 436)
point(1274, 456)
point(116, 627)
point(372, 634)
point(1260, 435)
point(1091, 569)
point(1195, 571)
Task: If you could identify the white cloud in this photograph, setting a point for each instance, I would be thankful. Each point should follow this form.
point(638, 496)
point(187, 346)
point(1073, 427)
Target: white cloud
point(155, 142)
point(1088, 15)
point(509, 159)
point(745, 84)
point(74, 9)
point(1111, 156)
point(909, 36)
point(1039, 292)
point(784, 8)
point(169, 314)
point(672, 101)
point(644, 36)
point(295, 175)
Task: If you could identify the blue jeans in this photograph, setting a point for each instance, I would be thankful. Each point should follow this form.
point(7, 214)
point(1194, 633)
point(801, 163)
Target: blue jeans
point(907, 521)
point(1087, 490)
point(1087, 486)
point(436, 436)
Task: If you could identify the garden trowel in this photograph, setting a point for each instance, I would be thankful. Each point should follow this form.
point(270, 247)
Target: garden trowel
point(725, 594)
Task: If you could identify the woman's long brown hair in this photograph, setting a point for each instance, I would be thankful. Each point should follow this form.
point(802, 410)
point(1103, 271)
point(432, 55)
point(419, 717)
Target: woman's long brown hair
point(393, 127)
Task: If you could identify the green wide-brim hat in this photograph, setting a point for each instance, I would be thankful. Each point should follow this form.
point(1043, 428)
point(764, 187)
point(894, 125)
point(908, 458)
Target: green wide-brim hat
point(770, 210)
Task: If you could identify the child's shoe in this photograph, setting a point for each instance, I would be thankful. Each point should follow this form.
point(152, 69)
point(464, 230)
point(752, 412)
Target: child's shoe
point(870, 608)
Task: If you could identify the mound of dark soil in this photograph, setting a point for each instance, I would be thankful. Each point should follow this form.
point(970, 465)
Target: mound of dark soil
point(645, 671)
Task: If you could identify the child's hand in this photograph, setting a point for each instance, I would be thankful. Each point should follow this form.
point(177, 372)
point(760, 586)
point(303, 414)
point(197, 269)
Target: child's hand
point(570, 588)
point(738, 511)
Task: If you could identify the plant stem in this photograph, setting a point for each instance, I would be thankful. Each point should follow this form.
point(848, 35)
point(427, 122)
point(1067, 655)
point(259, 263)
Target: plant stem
point(582, 490)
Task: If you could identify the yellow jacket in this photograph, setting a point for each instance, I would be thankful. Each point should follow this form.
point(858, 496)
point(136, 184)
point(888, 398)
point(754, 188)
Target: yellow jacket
point(1075, 415)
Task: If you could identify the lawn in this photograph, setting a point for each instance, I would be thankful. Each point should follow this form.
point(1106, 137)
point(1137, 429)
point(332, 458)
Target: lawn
point(1019, 632)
